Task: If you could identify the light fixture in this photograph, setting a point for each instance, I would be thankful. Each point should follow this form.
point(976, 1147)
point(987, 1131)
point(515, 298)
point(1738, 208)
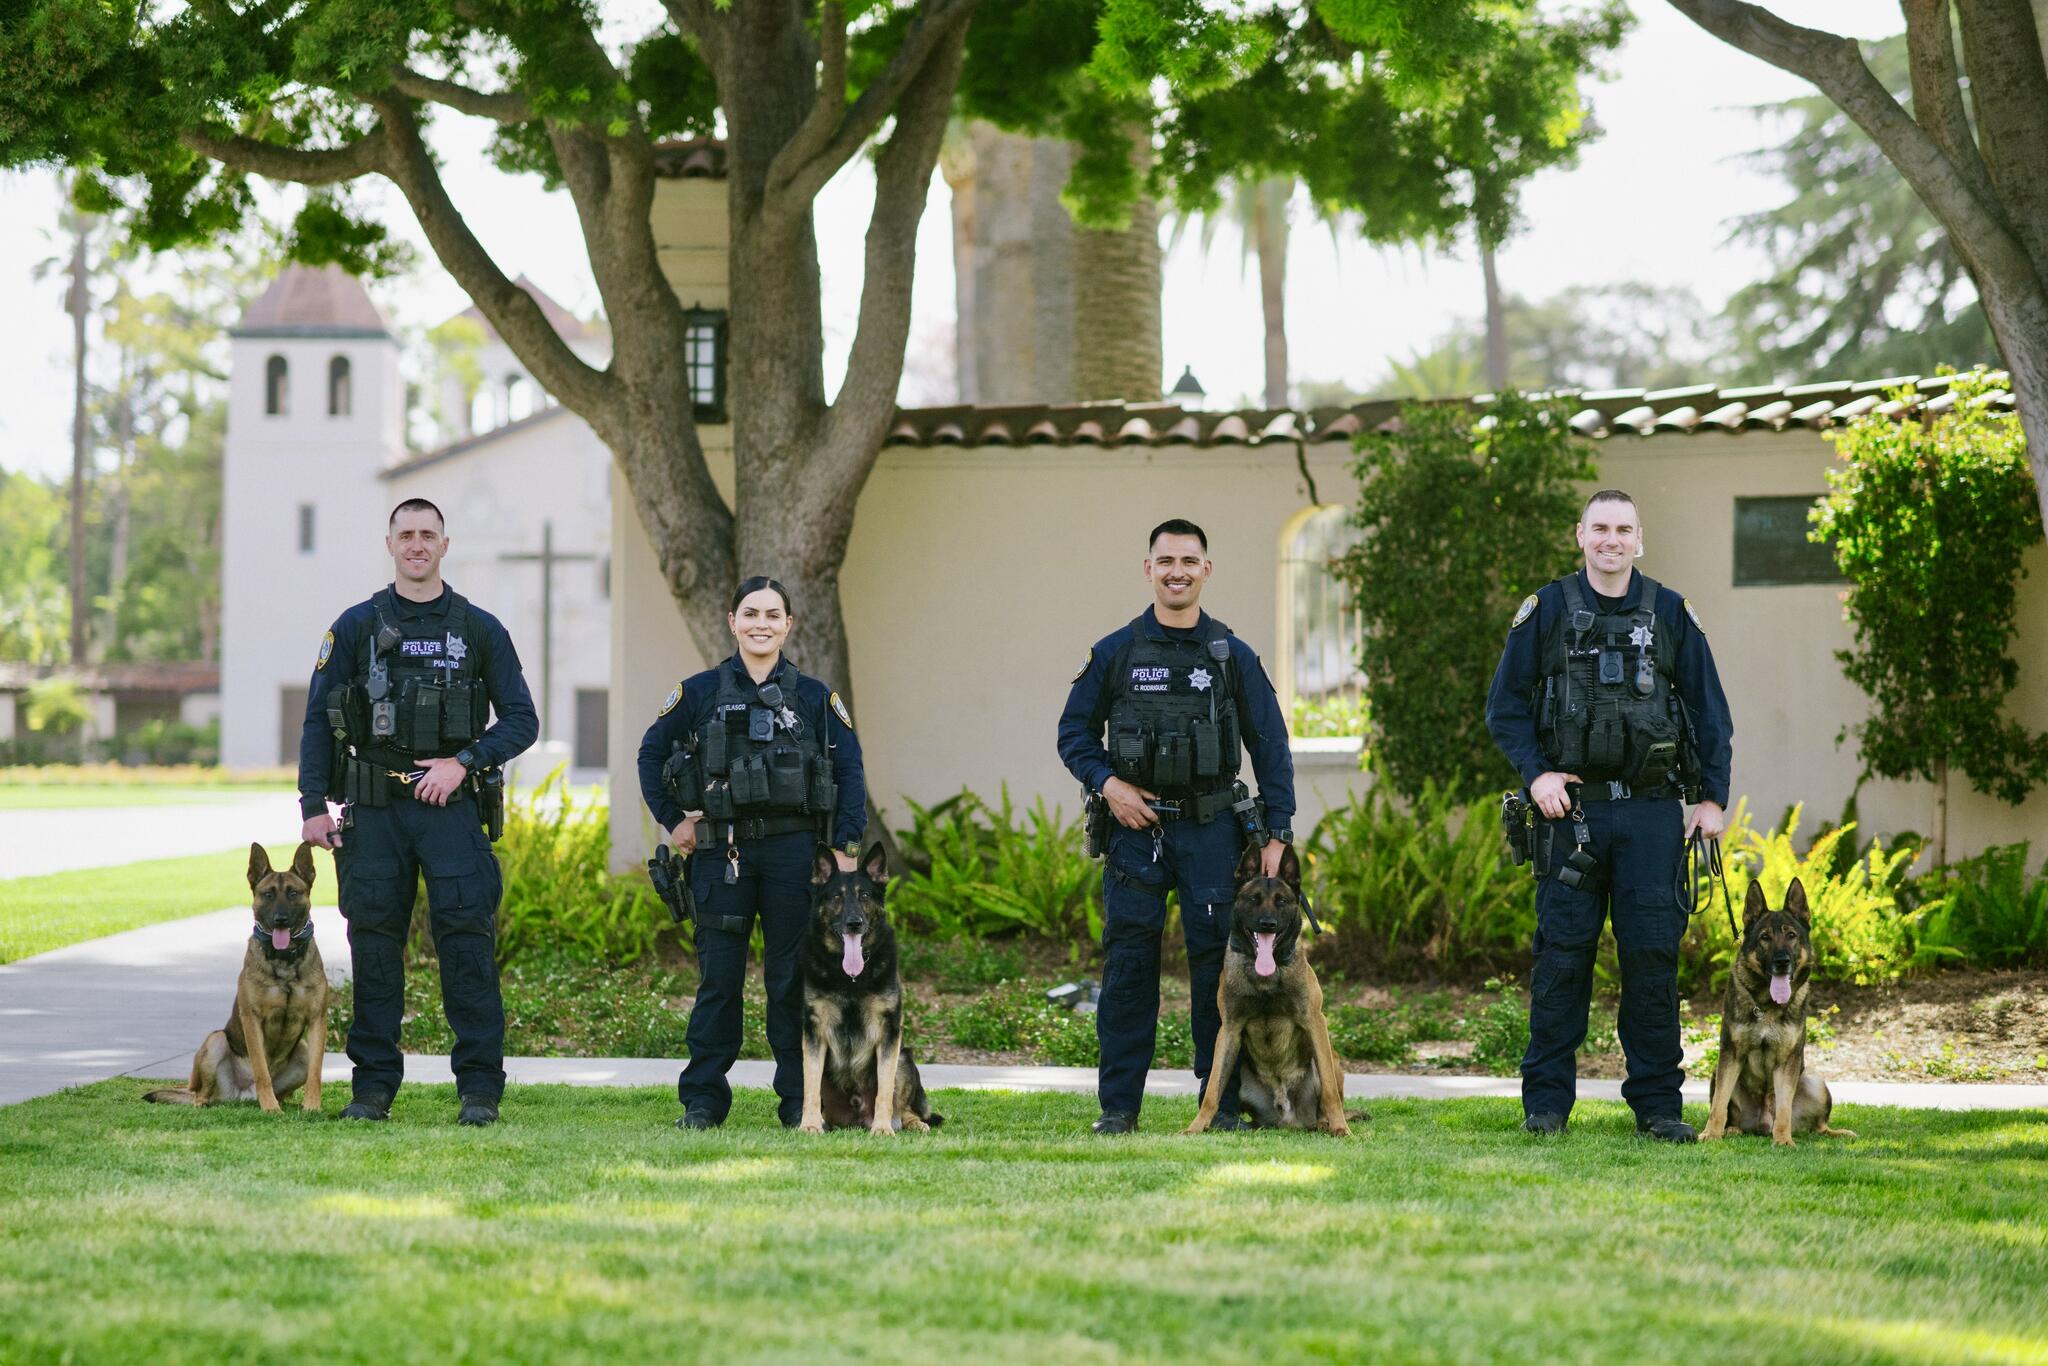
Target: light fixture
point(1187, 390)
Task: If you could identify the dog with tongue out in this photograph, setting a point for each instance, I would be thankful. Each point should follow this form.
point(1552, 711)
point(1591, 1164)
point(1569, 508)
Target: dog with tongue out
point(1761, 1085)
point(1273, 1028)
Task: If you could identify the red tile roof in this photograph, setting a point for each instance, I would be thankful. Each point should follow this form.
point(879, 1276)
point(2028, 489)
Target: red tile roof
point(310, 301)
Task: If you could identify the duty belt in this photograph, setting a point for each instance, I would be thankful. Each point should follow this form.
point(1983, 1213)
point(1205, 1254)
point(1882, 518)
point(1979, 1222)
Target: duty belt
point(1614, 790)
point(760, 827)
point(1200, 808)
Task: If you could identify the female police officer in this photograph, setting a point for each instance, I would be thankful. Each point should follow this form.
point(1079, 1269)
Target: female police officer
point(769, 759)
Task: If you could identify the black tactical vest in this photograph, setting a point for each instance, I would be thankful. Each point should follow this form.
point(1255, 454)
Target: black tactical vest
point(759, 756)
point(416, 691)
point(1173, 724)
point(1607, 709)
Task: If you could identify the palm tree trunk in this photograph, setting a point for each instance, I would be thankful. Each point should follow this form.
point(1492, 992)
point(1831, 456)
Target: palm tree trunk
point(78, 302)
point(1496, 324)
point(1117, 351)
point(1269, 221)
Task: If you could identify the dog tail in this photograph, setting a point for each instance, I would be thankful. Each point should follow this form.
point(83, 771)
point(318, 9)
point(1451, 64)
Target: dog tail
point(173, 1095)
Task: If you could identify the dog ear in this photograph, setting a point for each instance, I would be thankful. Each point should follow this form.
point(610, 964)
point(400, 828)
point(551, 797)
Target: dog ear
point(1754, 904)
point(259, 864)
point(876, 864)
point(823, 866)
point(1248, 864)
point(302, 865)
point(1290, 867)
point(1795, 902)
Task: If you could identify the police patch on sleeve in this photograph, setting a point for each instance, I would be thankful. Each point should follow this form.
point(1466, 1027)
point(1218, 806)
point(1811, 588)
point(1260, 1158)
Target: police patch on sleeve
point(1524, 612)
point(1086, 660)
point(839, 710)
point(1698, 625)
point(668, 704)
point(326, 651)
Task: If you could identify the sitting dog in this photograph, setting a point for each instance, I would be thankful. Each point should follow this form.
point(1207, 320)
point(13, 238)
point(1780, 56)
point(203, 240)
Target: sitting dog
point(1272, 1009)
point(277, 1036)
point(1761, 1084)
point(856, 1069)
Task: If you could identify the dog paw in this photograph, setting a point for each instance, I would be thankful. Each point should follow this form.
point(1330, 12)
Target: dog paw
point(270, 1107)
point(811, 1126)
point(1338, 1130)
point(1196, 1128)
point(885, 1130)
point(1710, 1134)
point(1782, 1141)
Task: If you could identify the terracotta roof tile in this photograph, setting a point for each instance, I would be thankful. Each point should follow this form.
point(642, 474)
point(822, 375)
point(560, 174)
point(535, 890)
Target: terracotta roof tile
point(690, 159)
point(309, 301)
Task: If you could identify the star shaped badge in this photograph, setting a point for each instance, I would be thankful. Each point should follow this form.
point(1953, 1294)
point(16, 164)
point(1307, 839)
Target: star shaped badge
point(1640, 637)
point(1199, 680)
point(457, 648)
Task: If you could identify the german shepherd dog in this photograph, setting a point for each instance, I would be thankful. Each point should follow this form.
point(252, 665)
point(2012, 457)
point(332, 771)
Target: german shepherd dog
point(856, 1069)
point(276, 1037)
point(1761, 1084)
point(1272, 1009)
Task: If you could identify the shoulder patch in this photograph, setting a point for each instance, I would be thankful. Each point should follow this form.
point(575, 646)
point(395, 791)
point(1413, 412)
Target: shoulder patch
point(668, 704)
point(1524, 612)
point(839, 710)
point(326, 651)
point(1698, 625)
point(1086, 660)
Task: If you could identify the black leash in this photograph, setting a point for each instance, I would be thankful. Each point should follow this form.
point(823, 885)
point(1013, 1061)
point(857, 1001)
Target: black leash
point(1702, 853)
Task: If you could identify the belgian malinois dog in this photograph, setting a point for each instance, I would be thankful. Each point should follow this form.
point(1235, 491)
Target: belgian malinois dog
point(1761, 1084)
point(856, 1069)
point(277, 1036)
point(1272, 1010)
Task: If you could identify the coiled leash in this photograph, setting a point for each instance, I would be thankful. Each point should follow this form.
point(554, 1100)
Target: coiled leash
point(1703, 855)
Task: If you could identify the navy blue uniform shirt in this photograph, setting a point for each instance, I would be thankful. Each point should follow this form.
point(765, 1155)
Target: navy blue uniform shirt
point(1258, 713)
point(514, 728)
point(1511, 705)
point(689, 707)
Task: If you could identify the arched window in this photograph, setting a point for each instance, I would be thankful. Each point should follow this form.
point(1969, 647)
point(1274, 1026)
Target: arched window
point(518, 397)
point(338, 387)
point(276, 387)
point(1320, 685)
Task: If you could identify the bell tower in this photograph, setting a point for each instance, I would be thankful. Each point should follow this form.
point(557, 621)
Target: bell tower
point(316, 407)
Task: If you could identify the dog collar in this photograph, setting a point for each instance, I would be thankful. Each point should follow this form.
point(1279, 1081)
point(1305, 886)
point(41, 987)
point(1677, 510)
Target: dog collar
point(299, 936)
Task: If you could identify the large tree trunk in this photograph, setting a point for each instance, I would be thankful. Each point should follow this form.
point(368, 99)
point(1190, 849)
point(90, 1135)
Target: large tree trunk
point(1013, 245)
point(1269, 230)
point(960, 166)
point(1116, 303)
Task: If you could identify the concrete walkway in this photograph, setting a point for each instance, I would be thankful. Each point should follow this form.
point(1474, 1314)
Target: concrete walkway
point(137, 1004)
point(61, 839)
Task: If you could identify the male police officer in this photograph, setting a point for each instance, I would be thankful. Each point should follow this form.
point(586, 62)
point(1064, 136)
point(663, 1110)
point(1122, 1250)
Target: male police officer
point(395, 729)
point(1181, 698)
point(1607, 703)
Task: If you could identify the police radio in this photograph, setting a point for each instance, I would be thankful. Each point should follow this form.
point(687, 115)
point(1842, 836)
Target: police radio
point(383, 710)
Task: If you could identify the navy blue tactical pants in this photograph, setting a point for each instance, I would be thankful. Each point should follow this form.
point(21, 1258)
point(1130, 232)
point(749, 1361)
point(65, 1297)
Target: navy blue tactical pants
point(379, 866)
point(774, 884)
point(1638, 846)
point(1200, 861)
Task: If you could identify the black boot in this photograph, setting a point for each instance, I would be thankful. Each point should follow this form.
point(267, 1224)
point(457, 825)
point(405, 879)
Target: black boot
point(698, 1117)
point(477, 1111)
point(1546, 1123)
point(367, 1105)
point(1115, 1122)
point(1667, 1129)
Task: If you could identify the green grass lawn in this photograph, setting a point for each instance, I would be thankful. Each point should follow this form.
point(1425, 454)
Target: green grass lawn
point(38, 914)
point(586, 1228)
point(70, 797)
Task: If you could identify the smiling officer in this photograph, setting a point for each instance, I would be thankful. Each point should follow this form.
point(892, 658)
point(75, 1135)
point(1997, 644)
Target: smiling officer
point(1608, 704)
point(396, 728)
point(1180, 698)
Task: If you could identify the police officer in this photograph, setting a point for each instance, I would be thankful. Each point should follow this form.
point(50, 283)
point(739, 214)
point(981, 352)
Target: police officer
point(768, 758)
point(397, 728)
point(1180, 698)
point(1607, 703)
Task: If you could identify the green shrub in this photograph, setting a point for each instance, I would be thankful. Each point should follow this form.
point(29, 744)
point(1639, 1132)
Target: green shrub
point(1419, 888)
point(1860, 934)
point(1368, 1034)
point(1989, 912)
point(1499, 1030)
point(959, 964)
point(976, 871)
point(559, 891)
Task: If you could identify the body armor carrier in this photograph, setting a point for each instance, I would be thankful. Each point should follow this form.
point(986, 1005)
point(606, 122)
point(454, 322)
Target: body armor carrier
point(756, 756)
point(1608, 709)
point(416, 693)
point(1173, 723)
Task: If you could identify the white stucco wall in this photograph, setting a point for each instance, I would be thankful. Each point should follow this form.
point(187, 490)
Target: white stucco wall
point(276, 601)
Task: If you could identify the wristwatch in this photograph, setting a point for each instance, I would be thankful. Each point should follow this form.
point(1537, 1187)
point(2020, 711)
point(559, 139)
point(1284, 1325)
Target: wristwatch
point(1283, 834)
point(467, 758)
point(851, 849)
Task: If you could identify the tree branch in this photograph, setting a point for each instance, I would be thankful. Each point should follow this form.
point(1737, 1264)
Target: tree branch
point(866, 401)
point(301, 165)
point(1938, 95)
point(1835, 65)
point(792, 185)
point(697, 20)
point(813, 135)
point(509, 309)
point(2009, 95)
point(507, 107)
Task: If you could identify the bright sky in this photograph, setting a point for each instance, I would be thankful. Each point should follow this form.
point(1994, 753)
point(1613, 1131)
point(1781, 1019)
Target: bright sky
point(1649, 201)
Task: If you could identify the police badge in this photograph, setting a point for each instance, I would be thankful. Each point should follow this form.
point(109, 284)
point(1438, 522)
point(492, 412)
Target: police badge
point(457, 648)
point(326, 651)
point(668, 704)
point(1086, 660)
point(839, 710)
point(1698, 625)
point(1523, 612)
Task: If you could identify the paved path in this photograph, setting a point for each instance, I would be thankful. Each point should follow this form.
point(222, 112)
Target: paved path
point(138, 1003)
point(60, 839)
